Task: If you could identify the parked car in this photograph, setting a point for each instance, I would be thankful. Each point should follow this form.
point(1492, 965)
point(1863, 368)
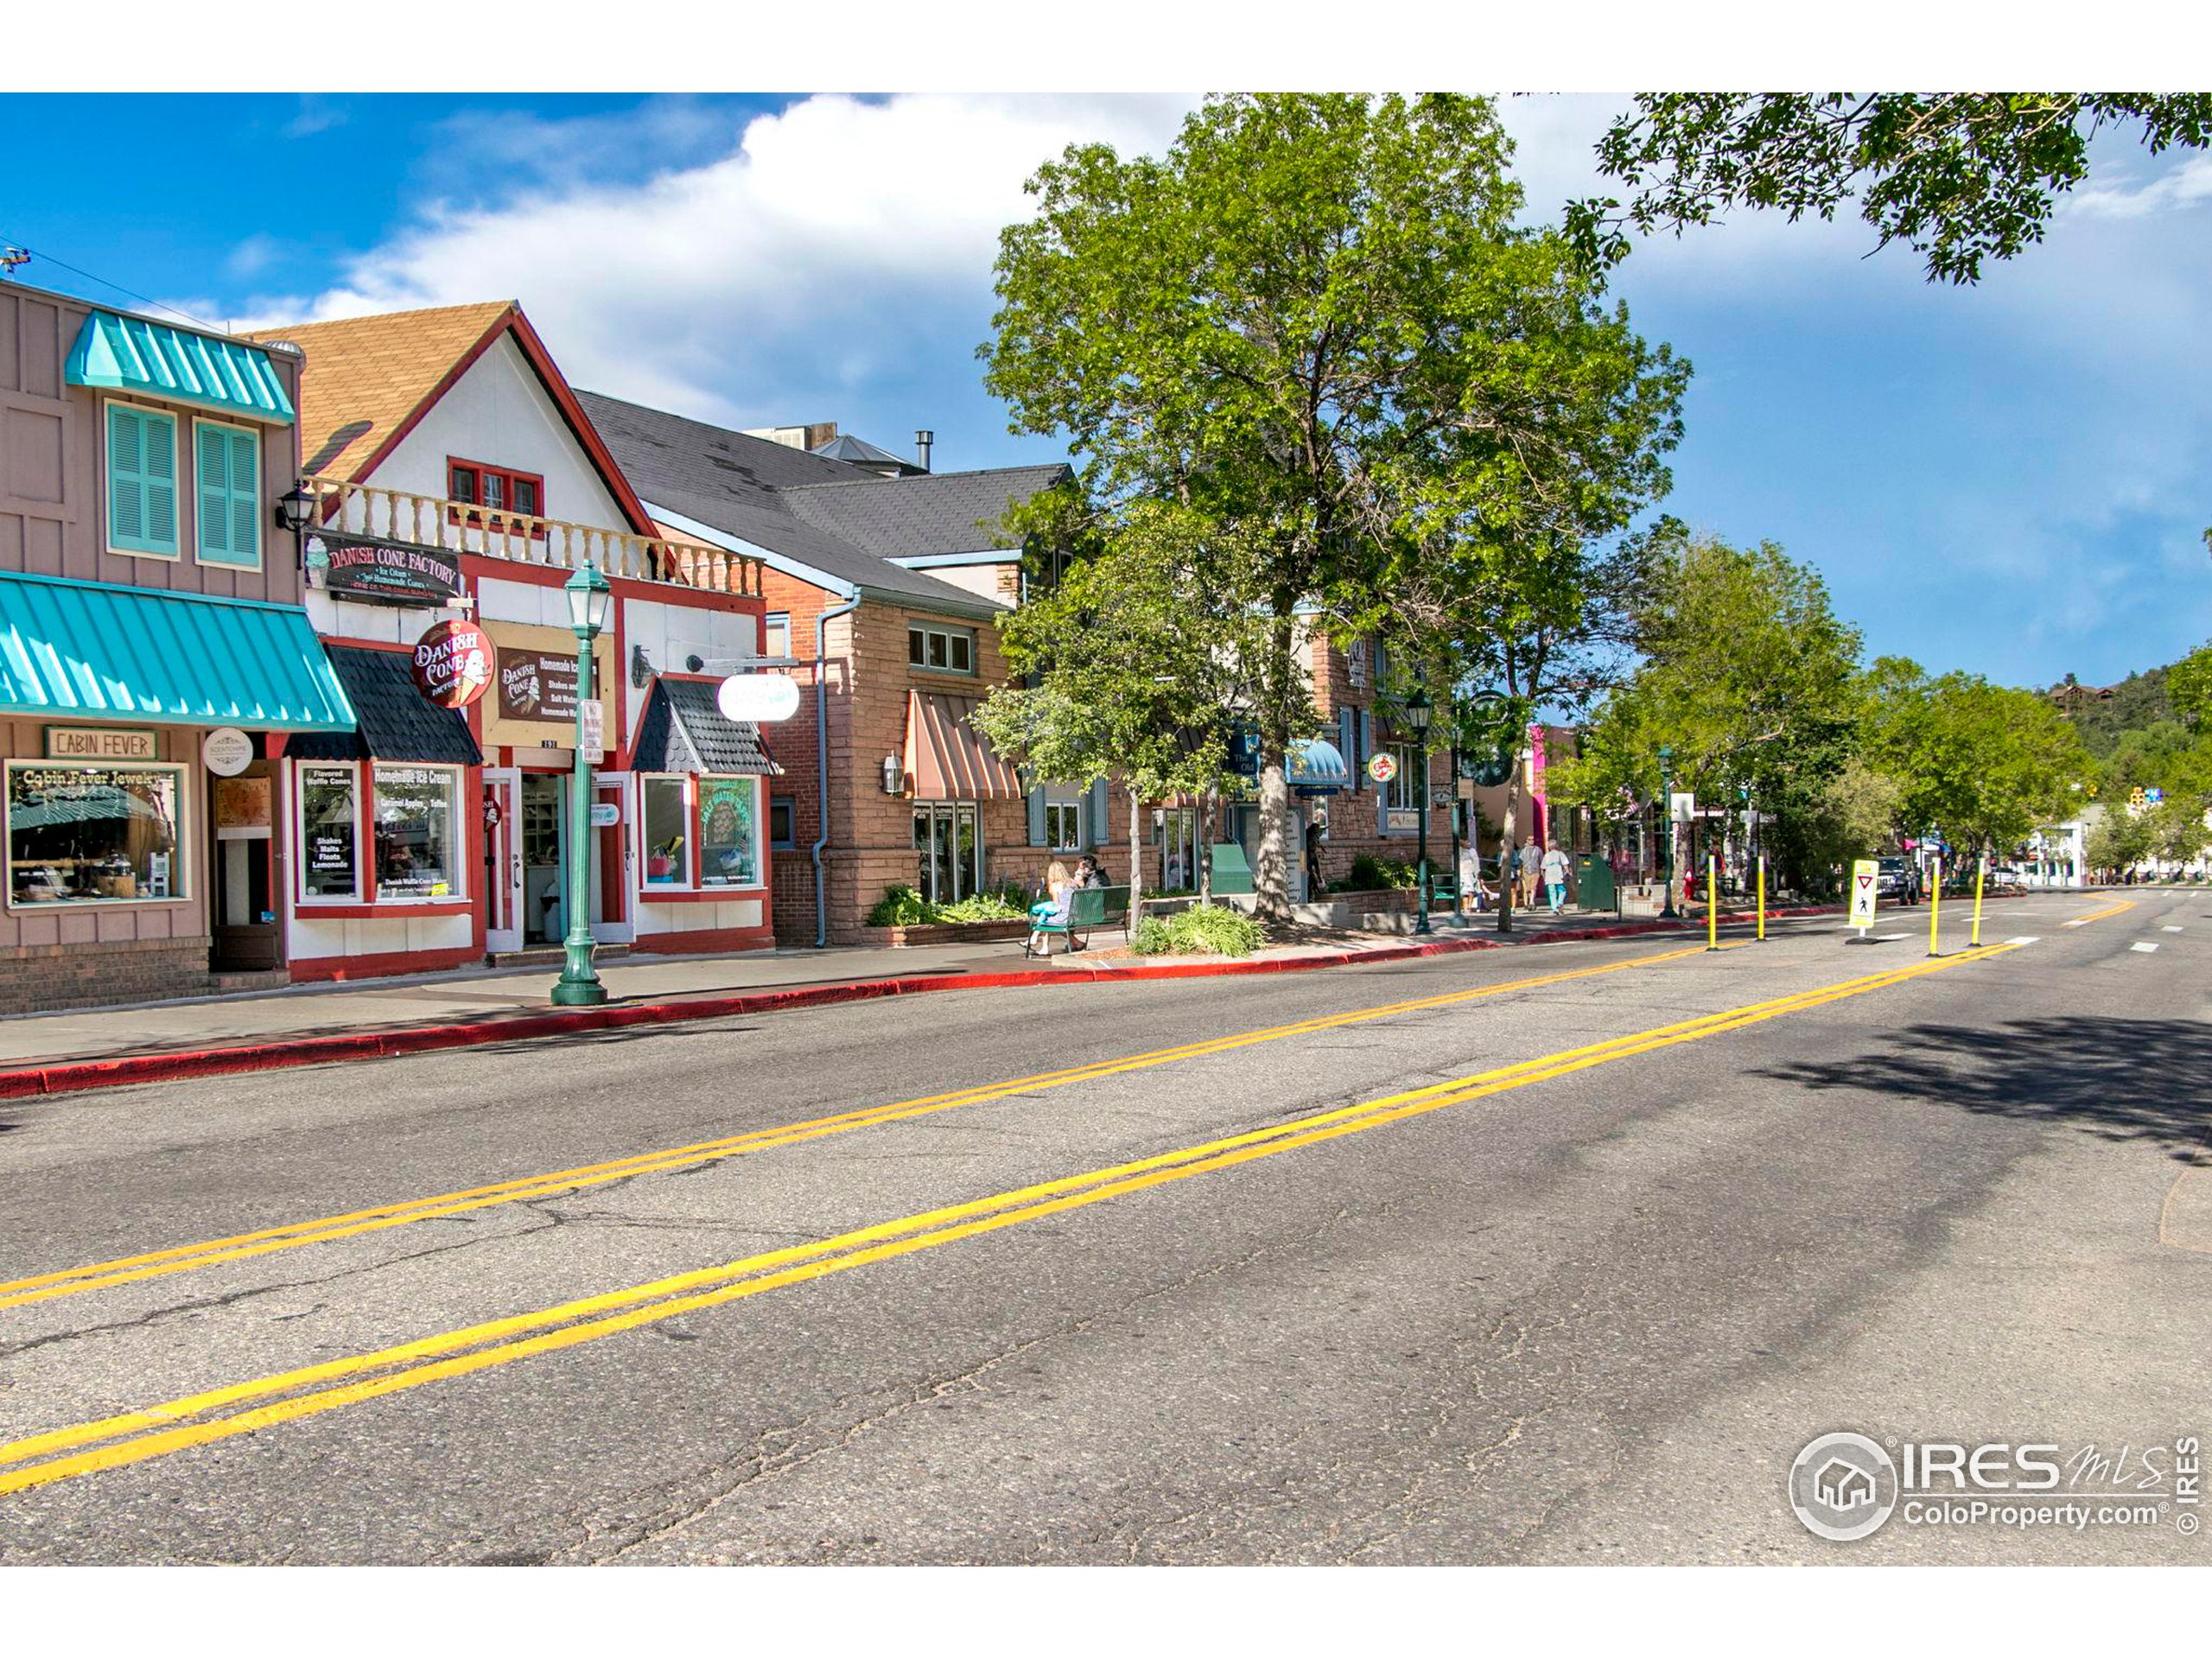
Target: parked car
point(1898, 881)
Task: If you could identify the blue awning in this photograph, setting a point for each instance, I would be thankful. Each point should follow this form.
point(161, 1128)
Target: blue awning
point(130, 354)
point(87, 650)
point(1318, 766)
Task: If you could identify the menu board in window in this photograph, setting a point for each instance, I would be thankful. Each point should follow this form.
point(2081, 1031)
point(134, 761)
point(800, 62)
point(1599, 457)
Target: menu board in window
point(729, 832)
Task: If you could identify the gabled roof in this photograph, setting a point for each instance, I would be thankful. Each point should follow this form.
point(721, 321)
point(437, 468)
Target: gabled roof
point(859, 452)
point(930, 514)
point(765, 493)
point(368, 380)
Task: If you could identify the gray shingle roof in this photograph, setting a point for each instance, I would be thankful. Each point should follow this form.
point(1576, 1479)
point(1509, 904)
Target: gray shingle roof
point(685, 730)
point(398, 723)
point(823, 513)
point(929, 514)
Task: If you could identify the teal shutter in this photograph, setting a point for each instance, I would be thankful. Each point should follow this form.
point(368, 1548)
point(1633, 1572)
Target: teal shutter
point(1098, 827)
point(1036, 816)
point(141, 480)
point(229, 474)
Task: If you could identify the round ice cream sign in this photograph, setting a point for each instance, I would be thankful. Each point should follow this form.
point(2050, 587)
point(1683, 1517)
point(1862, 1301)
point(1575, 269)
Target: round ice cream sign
point(453, 663)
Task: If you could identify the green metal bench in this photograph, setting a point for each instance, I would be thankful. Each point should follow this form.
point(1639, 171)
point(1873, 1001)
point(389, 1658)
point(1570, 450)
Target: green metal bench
point(1086, 910)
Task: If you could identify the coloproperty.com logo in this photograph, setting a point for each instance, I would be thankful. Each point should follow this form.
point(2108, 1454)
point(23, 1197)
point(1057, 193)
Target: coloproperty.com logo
point(1846, 1486)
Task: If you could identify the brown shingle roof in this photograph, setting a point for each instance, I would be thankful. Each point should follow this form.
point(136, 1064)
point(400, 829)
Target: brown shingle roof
point(365, 376)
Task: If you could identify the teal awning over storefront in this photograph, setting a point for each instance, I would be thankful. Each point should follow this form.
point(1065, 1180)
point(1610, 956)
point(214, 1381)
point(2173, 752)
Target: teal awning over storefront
point(130, 354)
point(87, 650)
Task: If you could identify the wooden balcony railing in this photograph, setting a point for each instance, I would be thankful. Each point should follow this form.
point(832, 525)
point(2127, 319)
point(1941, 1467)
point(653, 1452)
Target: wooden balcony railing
point(347, 509)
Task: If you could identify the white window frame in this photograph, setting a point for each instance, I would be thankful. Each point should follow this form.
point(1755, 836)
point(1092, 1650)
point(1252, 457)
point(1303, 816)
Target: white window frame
point(769, 624)
point(964, 637)
point(176, 486)
point(363, 845)
point(694, 845)
point(181, 860)
point(260, 506)
point(301, 896)
point(1061, 806)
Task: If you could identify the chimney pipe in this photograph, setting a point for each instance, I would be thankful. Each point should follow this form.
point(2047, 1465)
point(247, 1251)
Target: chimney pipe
point(923, 440)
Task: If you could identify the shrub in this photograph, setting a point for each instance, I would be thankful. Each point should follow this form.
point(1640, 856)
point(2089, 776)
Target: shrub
point(901, 906)
point(1371, 875)
point(1201, 930)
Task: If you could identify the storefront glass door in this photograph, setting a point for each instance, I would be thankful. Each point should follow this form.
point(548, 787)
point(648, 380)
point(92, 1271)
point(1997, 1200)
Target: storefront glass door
point(502, 859)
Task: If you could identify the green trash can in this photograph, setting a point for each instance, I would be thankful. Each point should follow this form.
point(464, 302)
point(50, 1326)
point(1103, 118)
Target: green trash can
point(1594, 888)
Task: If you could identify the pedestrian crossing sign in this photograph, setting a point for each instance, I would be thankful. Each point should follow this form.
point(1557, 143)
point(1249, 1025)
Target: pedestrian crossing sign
point(1862, 892)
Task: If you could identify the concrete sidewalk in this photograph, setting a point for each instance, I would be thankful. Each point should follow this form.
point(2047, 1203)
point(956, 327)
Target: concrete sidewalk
point(483, 1000)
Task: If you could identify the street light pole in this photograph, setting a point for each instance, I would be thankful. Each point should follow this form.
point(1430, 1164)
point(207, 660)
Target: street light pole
point(1667, 833)
point(1418, 710)
point(589, 596)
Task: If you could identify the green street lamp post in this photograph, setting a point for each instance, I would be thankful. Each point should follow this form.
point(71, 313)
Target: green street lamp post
point(1667, 832)
point(590, 597)
point(1418, 711)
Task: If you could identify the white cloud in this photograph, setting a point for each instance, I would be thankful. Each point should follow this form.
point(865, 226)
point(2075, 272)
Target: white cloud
point(2183, 184)
point(796, 261)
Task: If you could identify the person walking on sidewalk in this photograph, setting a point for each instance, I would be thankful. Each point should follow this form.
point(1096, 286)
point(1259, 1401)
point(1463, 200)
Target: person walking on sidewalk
point(1554, 869)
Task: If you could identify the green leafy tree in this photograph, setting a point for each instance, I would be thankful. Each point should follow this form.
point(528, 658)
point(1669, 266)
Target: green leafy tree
point(1135, 658)
point(1983, 764)
point(1960, 177)
point(1254, 327)
point(2189, 689)
point(2117, 841)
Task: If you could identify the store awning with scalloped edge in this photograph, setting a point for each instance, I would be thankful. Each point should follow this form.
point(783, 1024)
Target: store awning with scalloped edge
point(87, 650)
point(1318, 766)
point(129, 354)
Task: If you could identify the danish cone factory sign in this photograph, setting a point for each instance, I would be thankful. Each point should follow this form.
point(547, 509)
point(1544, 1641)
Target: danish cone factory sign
point(453, 663)
point(385, 573)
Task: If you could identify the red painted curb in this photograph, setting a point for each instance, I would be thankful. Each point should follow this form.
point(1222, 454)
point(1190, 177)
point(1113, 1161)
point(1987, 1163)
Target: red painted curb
point(74, 1077)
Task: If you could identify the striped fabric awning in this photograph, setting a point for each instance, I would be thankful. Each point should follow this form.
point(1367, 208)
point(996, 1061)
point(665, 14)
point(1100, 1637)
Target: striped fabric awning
point(947, 760)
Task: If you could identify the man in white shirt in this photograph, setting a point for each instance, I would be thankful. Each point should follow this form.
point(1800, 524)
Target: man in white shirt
point(1554, 869)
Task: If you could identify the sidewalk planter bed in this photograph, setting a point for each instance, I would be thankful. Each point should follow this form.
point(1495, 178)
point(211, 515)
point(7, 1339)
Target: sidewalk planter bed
point(1202, 930)
point(948, 933)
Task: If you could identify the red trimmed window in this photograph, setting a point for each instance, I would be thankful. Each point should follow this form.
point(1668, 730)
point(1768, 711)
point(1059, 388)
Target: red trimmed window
point(494, 489)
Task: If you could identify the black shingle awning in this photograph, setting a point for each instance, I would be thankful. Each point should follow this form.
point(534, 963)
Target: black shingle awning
point(684, 731)
point(398, 723)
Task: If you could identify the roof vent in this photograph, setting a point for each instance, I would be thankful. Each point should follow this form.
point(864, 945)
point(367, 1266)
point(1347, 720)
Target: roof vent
point(923, 440)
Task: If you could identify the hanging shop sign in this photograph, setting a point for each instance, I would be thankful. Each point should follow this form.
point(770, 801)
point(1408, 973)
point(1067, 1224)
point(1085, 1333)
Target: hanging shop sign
point(227, 751)
point(101, 743)
point(1382, 766)
point(766, 697)
point(453, 663)
point(384, 573)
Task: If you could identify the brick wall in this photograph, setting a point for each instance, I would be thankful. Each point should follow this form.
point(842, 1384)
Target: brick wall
point(36, 978)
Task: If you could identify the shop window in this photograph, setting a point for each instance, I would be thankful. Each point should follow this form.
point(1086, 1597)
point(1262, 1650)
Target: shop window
point(942, 651)
point(667, 829)
point(141, 480)
point(783, 823)
point(330, 820)
point(1404, 789)
point(1063, 826)
point(495, 489)
point(701, 833)
point(93, 834)
point(415, 820)
point(227, 495)
point(948, 851)
point(729, 832)
point(776, 634)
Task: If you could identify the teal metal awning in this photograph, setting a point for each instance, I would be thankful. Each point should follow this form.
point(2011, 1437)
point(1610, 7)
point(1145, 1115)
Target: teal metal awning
point(87, 650)
point(1318, 766)
point(130, 354)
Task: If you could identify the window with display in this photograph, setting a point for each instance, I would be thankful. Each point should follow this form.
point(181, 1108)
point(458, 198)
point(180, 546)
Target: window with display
point(330, 830)
point(93, 834)
point(416, 852)
point(948, 851)
point(701, 833)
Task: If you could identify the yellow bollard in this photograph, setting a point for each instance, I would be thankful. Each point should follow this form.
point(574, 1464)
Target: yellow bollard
point(1980, 874)
point(1762, 896)
point(1935, 901)
point(1712, 904)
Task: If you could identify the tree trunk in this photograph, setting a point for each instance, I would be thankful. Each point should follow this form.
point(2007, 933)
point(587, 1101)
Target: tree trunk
point(1505, 846)
point(1204, 848)
point(1136, 858)
point(1271, 873)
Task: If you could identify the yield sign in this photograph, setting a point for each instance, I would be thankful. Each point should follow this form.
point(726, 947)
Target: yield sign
point(1863, 872)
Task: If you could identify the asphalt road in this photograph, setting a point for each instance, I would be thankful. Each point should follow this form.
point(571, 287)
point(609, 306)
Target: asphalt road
point(1554, 1253)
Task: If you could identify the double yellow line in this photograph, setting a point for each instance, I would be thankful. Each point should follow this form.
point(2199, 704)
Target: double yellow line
point(241, 1408)
point(2099, 915)
point(239, 1247)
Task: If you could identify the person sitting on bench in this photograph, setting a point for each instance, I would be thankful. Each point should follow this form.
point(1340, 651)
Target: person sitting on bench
point(1060, 885)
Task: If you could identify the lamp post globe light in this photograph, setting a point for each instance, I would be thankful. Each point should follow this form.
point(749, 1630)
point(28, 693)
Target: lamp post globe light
point(590, 599)
point(1418, 710)
point(1667, 832)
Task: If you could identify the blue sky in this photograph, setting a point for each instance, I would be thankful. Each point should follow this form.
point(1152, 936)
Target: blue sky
point(2010, 479)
